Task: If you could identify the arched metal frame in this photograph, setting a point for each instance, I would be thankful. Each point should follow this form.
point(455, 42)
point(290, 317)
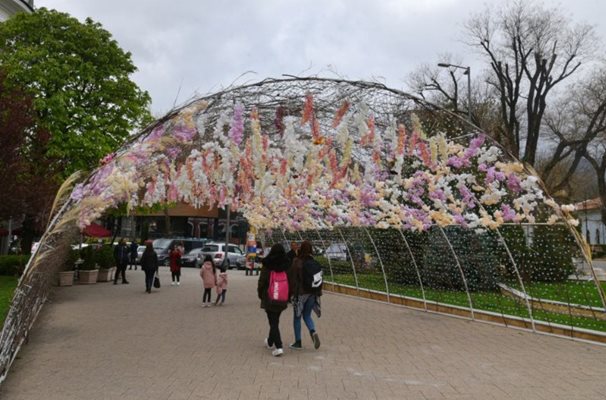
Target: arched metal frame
point(380, 262)
point(353, 266)
point(460, 270)
point(414, 262)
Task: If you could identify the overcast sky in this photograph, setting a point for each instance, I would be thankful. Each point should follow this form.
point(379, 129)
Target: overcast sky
point(201, 46)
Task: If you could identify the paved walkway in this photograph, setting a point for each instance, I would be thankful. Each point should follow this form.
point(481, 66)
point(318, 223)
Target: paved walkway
point(117, 342)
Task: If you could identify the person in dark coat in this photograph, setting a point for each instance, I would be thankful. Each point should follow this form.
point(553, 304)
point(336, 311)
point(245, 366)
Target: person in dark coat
point(292, 253)
point(133, 254)
point(149, 265)
point(277, 261)
point(121, 258)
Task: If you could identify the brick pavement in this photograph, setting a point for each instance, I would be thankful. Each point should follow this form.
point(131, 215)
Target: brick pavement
point(117, 342)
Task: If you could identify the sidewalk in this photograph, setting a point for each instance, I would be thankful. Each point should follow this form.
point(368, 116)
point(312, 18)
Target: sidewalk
point(117, 342)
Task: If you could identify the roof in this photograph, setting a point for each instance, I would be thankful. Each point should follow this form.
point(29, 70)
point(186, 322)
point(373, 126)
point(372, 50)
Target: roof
point(592, 204)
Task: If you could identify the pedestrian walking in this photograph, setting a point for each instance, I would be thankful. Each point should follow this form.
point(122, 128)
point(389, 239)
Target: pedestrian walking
point(221, 286)
point(292, 253)
point(175, 265)
point(307, 275)
point(209, 279)
point(149, 265)
point(121, 258)
point(133, 253)
point(273, 291)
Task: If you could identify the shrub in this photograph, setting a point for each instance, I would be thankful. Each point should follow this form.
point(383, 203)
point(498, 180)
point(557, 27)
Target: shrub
point(88, 255)
point(105, 256)
point(475, 253)
point(552, 250)
point(13, 265)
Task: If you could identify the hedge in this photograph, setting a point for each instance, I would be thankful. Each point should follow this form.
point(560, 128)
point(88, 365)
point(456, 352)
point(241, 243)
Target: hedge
point(13, 265)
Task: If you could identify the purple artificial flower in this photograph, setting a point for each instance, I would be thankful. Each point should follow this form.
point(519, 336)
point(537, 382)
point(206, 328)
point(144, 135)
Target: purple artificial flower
point(236, 131)
point(183, 133)
point(513, 183)
point(508, 213)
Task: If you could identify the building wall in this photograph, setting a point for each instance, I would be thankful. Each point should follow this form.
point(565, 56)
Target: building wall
point(592, 228)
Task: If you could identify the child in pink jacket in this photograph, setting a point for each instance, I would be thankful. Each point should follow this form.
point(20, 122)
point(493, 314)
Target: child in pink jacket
point(209, 279)
point(221, 286)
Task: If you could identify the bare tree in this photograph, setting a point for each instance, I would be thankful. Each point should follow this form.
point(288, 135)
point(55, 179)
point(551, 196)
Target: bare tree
point(530, 49)
point(448, 88)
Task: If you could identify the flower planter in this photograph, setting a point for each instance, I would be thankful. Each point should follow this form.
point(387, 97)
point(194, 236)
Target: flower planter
point(104, 275)
point(66, 278)
point(88, 277)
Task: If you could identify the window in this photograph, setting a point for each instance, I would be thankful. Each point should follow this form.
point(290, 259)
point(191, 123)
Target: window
point(212, 247)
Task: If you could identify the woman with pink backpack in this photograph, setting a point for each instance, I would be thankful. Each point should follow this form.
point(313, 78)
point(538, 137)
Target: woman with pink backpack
point(274, 291)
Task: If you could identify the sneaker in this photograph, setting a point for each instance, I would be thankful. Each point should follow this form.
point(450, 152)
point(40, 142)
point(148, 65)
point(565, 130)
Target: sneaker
point(277, 352)
point(172, 283)
point(316, 340)
point(178, 283)
point(125, 282)
point(267, 344)
point(296, 345)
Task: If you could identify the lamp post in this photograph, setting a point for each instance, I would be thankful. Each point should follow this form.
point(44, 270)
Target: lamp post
point(468, 73)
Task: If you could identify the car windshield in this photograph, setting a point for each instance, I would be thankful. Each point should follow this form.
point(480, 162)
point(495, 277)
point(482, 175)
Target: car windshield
point(212, 247)
point(141, 248)
point(162, 243)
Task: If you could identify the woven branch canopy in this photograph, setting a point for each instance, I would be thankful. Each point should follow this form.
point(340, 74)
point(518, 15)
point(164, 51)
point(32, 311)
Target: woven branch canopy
point(311, 153)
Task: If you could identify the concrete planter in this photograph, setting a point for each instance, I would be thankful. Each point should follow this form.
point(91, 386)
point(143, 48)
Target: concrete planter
point(104, 275)
point(88, 277)
point(66, 278)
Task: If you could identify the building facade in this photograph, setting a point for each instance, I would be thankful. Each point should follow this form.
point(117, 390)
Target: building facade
point(589, 214)
point(9, 8)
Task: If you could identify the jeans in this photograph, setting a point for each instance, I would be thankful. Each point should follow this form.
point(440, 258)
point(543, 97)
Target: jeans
point(274, 329)
point(306, 314)
point(149, 279)
point(176, 275)
point(221, 296)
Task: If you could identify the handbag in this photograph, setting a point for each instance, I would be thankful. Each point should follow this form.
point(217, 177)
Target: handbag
point(156, 281)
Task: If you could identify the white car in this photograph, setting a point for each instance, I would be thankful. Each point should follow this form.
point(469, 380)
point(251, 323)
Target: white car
point(337, 251)
point(235, 256)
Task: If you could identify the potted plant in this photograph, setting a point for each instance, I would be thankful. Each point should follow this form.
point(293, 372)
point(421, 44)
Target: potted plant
point(88, 269)
point(105, 260)
point(66, 276)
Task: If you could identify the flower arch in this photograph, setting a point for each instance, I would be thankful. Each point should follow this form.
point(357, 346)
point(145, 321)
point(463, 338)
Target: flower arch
point(324, 159)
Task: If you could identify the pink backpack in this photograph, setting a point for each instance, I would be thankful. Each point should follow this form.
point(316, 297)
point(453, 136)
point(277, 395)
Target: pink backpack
point(277, 293)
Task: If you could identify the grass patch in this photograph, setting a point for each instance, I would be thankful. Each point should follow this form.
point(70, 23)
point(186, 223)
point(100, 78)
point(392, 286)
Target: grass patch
point(490, 301)
point(7, 287)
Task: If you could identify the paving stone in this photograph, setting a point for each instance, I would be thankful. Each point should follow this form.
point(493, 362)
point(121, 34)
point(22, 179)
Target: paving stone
point(117, 342)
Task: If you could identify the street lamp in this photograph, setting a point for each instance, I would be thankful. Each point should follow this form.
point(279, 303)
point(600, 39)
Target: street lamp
point(468, 73)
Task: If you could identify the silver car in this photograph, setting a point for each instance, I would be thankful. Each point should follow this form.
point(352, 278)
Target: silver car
point(235, 256)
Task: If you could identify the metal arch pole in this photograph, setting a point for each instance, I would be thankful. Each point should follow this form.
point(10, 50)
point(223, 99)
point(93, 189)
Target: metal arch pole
point(460, 270)
point(515, 267)
point(380, 262)
point(332, 277)
point(353, 267)
point(414, 262)
point(283, 235)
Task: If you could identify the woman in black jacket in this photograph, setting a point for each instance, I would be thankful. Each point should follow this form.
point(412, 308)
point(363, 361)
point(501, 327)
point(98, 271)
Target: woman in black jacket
point(276, 261)
point(149, 265)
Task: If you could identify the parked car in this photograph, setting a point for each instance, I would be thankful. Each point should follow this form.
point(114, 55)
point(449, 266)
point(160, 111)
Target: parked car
point(193, 259)
point(337, 252)
point(163, 246)
point(235, 257)
point(140, 251)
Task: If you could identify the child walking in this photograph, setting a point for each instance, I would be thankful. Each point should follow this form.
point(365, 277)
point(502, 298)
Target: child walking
point(209, 279)
point(221, 286)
